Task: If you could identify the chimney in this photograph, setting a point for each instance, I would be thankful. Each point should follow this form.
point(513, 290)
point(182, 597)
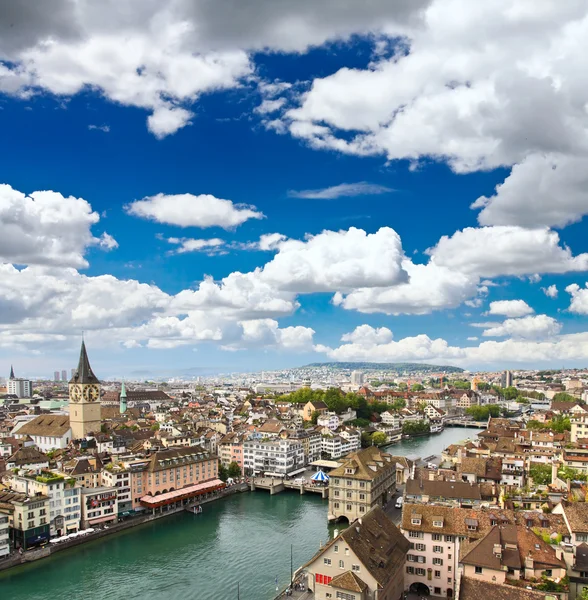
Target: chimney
point(554, 469)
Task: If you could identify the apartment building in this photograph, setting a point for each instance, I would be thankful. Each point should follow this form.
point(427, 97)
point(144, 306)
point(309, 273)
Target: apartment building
point(367, 478)
point(460, 494)
point(28, 518)
point(63, 494)
point(99, 506)
point(4, 536)
point(117, 476)
point(275, 458)
point(366, 561)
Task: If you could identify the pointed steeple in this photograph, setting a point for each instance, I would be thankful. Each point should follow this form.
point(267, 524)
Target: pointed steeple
point(84, 373)
point(12, 372)
point(123, 399)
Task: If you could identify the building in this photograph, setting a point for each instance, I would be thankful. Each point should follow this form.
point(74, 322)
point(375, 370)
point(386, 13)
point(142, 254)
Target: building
point(21, 388)
point(28, 458)
point(279, 458)
point(506, 379)
point(64, 499)
point(64, 375)
point(55, 375)
point(99, 506)
point(48, 432)
point(475, 589)
point(84, 399)
point(4, 536)
point(313, 407)
point(357, 378)
point(117, 476)
point(123, 399)
point(366, 561)
point(367, 478)
point(460, 494)
point(579, 423)
point(27, 518)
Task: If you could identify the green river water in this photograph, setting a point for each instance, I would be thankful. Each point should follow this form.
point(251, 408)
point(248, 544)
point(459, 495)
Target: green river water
point(242, 539)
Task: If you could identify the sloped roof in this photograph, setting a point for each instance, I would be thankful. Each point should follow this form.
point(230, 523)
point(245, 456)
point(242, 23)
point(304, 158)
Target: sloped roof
point(348, 581)
point(84, 373)
point(365, 462)
point(27, 456)
point(474, 589)
point(46, 425)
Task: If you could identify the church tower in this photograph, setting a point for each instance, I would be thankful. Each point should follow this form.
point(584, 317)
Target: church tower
point(84, 399)
point(123, 399)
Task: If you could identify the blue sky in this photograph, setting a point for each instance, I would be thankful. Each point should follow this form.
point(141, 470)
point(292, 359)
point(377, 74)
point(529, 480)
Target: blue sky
point(339, 99)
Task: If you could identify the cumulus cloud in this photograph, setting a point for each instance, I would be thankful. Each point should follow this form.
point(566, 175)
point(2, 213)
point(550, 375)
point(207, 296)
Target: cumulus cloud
point(103, 128)
point(46, 228)
point(510, 308)
point(365, 334)
point(505, 250)
point(338, 260)
point(579, 303)
point(266, 333)
point(555, 186)
point(550, 291)
point(363, 188)
point(531, 327)
point(187, 210)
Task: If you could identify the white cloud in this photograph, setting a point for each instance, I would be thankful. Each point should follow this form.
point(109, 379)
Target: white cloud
point(503, 250)
point(336, 261)
point(579, 303)
point(266, 333)
point(167, 119)
point(531, 327)
point(472, 339)
point(103, 128)
point(550, 291)
point(270, 106)
point(363, 188)
point(46, 228)
point(510, 308)
point(187, 210)
point(210, 247)
point(430, 287)
point(365, 334)
point(555, 186)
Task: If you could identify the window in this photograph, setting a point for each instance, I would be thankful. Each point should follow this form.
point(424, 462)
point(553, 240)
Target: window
point(349, 507)
point(345, 596)
point(449, 538)
point(420, 547)
point(355, 567)
point(437, 591)
point(327, 561)
point(437, 523)
point(438, 561)
point(548, 573)
point(420, 572)
point(449, 568)
point(410, 570)
point(362, 509)
point(437, 574)
point(348, 494)
point(336, 492)
point(437, 537)
point(336, 505)
point(479, 570)
point(341, 564)
point(415, 534)
point(416, 521)
point(336, 548)
point(438, 549)
point(362, 496)
point(449, 556)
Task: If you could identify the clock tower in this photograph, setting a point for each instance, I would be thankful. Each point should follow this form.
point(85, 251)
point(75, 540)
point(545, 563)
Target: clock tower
point(84, 399)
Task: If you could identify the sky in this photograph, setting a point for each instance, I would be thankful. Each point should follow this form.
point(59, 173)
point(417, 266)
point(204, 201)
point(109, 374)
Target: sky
point(244, 186)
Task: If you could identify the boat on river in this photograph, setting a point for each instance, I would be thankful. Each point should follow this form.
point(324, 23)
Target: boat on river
point(195, 510)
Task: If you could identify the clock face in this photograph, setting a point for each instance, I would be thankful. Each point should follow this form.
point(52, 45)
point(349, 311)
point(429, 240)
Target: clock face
point(75, 393)
point(92, 393)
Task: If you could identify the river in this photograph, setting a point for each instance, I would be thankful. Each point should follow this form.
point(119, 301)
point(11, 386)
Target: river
point(242, 539)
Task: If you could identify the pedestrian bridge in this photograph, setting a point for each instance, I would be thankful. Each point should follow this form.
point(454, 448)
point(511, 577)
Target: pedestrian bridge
point(462, 423)
point(275, 486)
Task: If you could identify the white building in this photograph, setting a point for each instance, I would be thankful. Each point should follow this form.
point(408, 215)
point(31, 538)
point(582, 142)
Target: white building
point(391, 419)
point(49, 432)
point(22, 388)
point(357, 378)
point(330, 420)
point(99, 506)
point(119, 478)
point(4, 536)
point(279, 458)
point(64, 499)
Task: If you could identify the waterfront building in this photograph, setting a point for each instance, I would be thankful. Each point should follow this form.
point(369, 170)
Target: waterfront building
point(279, 458)
point(311, 441)
point(64, 498)
point(367, 478)
point(392, 419)
point(467, 399)
point(84, 399)
point(21, 388)
point(48, 432)
point(4, 536)
point(99, 506)
point(365, 561)
point(115, 475)
point(27, 518)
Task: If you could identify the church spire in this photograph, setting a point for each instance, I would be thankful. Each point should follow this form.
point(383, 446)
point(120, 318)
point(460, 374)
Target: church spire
point(123, 399)
point(12, 372)
point(84, 373)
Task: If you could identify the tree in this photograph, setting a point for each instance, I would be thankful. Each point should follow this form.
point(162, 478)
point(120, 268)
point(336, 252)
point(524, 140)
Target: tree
point(223, 472)
point(379, 438)
point(415, 427)
point(583, 595)
point(510, 393)
point(234, 470)
point(314, 416)
point(155, 427)
point(398, 404)
point(481, 413)
point(563, 397)
point(566, 473)
point(417, 387)
point(366, 439)
point(541, 474)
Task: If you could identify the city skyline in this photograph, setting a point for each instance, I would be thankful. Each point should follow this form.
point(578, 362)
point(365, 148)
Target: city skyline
point(366, 186)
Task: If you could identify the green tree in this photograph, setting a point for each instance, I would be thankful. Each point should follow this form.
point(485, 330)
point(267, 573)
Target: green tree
point(417, 387)
point(481, 413)
point(563, 397)
point(234, 470)
point(541, 474)
point(223, 472)
point(566, 473)
point(510, 393)
point(379, 438)
point(314, 416)
point(398, 404)
point(415, 427)
point(155, 427)
point(366, 439)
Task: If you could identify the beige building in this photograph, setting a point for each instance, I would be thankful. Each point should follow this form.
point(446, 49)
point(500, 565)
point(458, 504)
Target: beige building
point(366, 561)
point(367, 478)
point(84, 399)
point(28, 518)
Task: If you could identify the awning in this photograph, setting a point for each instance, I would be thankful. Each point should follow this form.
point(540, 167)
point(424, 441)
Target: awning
point(190, 491)
point(297, 471)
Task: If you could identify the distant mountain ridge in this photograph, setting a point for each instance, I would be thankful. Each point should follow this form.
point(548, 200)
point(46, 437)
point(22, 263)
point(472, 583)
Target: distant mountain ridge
point(397, 367)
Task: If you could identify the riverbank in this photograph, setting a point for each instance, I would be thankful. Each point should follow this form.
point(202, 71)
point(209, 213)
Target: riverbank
point(16, 559)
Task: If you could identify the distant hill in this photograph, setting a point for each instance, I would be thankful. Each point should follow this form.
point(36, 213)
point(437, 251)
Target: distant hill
point(396, 367)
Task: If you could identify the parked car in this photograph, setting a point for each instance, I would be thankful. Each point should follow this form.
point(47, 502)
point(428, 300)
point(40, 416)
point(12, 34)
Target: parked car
point(399, 502)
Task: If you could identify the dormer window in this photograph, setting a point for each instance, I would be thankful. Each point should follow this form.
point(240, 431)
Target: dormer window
point(438, 523)
point(416, 519)
point(472, 524)
point(348, 471)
